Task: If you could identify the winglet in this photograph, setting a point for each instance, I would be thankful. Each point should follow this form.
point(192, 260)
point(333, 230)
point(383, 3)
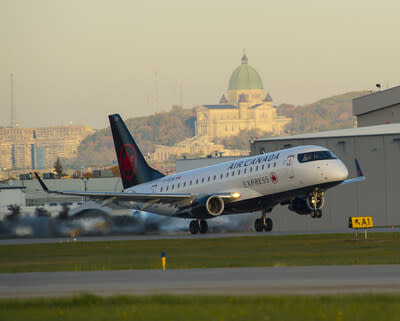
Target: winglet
point(42, 184)
point(359, 172)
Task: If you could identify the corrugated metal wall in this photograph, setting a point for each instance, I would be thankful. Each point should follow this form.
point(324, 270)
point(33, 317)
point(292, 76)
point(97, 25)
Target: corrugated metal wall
point(378, 196)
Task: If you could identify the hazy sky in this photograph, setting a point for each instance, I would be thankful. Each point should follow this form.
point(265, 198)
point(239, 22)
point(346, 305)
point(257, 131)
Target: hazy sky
point(79, 60)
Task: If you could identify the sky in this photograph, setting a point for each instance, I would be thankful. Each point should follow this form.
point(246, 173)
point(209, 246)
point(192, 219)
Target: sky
point(76, 61)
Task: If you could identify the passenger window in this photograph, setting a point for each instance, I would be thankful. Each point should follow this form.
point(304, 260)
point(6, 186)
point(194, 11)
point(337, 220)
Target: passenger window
point(215, 177)
point(208, 178)
point(179, 185)
point(251, 169)
point(269, 165)
point(202, 180)
point(172, 186)
point(184, 184)
point(190, 183)
point(161, 189)
point(257, 168)
point(227, 174)
point(167, 187)
point(262, 167)
point(197, 181)
point(222, 175)
point(275, 164)
point(245, 171)
point(239, 172)
point(233, 174)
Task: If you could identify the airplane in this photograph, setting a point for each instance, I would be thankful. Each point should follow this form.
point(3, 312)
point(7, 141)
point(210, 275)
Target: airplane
point(297, 177)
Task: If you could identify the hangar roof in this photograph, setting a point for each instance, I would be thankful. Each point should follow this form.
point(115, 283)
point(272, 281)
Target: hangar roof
point(376, 100)
point(387, 129)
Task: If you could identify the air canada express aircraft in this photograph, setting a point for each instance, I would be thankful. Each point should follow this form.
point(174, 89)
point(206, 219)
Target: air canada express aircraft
point(297, 177)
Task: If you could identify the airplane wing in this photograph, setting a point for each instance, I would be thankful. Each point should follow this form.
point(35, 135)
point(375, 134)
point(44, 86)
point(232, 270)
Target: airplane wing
point(360, 176)
point(150, 198)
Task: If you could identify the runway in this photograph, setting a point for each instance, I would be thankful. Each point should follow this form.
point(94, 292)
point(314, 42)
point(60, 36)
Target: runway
point(310, 280)
point(177, 236)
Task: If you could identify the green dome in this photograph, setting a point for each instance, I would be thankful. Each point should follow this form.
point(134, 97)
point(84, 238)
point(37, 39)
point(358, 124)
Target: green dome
point(245, 77)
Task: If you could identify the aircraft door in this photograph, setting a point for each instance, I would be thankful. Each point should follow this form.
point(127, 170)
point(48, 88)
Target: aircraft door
point(290, 165)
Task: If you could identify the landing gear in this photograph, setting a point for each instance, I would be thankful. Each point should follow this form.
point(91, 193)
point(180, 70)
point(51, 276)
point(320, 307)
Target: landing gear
point(268, 225)
point(203, 227)
point(196, 226)
point(259, 225)
point(315, 202)
point(263, 223)
point(316, 214)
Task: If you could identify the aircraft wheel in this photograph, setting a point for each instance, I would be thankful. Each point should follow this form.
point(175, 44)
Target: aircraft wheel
point(259, 225)
point(194, 226)
point(268, 225)
point(203, 227)
point(318, 213)
point(314, 214)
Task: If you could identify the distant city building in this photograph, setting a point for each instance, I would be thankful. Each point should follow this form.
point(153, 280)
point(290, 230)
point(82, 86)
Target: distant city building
point(37, 148)
point(247, 107)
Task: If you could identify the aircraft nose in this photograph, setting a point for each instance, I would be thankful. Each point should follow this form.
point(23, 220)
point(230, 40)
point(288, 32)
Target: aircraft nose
point(341, 172)
point(336, 171)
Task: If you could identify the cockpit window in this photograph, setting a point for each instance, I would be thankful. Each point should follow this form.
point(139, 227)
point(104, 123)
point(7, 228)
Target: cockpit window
point(314, 156)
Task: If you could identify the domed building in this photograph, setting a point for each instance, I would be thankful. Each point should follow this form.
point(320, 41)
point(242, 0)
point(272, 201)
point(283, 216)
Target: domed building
point(247, 107)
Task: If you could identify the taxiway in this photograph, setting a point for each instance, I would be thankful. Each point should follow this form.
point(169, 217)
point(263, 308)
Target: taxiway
point(227, 281)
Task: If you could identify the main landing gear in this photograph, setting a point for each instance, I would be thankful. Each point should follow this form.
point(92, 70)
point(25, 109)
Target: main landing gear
point(263, 223)
point(196, 226)
point(315, 202)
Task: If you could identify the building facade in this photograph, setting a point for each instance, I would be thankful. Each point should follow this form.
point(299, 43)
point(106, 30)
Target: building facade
point(37, 148)
point(246, 108)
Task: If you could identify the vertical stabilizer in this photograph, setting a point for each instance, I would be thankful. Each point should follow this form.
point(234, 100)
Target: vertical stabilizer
point(132, 165)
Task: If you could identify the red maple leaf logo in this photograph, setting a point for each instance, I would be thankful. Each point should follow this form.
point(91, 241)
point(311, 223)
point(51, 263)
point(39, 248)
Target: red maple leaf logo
point(128, 159)
point(274, 178)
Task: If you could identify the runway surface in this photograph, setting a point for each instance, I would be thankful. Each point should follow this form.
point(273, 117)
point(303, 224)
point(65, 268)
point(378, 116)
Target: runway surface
point(177, 236)
point(311, 280)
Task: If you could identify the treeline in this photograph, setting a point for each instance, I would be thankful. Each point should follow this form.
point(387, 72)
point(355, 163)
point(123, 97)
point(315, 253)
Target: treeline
point(326, 114)
point(165, 128)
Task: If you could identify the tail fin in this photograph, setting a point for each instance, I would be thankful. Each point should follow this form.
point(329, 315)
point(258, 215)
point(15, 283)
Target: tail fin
point(358, 168)
point(132, 165)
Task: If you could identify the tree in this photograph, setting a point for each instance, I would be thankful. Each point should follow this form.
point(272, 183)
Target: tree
point(58, 168)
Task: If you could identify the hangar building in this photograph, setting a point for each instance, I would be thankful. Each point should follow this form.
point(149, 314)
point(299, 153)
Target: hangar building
point(377, 149)
point(382, 107)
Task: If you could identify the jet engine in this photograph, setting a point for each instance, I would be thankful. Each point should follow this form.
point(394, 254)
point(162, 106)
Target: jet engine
point(207, 207)
point(300, 206)
point(307, 204)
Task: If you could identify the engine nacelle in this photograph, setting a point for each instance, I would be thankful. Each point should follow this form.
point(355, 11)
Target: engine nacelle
point(207, 206)
point(305, 205)
point(300, 206)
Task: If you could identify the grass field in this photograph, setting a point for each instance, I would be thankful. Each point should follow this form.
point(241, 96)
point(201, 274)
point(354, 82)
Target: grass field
point(289, 250)
point(88, 307)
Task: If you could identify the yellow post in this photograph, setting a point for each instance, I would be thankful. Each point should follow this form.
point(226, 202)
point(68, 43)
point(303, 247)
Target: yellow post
point(163, 260)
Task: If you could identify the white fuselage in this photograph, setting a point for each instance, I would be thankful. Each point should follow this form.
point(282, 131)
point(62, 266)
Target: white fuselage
point(251, 177)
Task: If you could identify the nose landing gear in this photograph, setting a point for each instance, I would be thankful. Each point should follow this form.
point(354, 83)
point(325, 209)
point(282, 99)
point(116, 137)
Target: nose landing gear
point(315, 202)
